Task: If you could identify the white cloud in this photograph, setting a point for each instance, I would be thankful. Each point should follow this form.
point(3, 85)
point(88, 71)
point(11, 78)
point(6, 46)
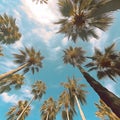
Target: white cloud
point(44, 14)
point(9, 98)
point(44, 34)
point(65, 41)
point(99, 43)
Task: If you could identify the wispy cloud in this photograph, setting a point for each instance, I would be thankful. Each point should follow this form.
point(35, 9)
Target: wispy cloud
point(99, 43)
point(9, 98)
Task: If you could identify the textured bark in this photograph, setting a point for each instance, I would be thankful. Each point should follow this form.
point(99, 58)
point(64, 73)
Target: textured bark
point(108, 97)
point(12, 71)
point(80, 109)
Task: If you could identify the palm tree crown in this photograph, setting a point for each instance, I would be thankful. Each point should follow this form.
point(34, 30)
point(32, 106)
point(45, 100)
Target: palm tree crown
point(107, 63)
point(78, 21)
point(74, 55)
point(49, 109)
point(67, 106)
point(15, 80)
point(9, 31)
point(16, 110)
point(38, 89)
point(31, 57)
point(104, 111)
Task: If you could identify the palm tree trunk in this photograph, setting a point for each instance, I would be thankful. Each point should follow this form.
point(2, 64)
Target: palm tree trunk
point(25, 108)
point(12, 71)
point(80, 109)
point(47, 116)
point(67, 114)
point(108, 97)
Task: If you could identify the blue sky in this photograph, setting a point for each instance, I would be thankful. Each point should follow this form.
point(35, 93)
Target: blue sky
point(35, 22)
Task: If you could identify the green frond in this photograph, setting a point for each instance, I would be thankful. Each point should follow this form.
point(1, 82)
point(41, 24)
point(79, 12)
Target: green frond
point(66, 7)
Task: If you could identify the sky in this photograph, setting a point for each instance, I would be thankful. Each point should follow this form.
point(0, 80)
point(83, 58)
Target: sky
point(35, 22)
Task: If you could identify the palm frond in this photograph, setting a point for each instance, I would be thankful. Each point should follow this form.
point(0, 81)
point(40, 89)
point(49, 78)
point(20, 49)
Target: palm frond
point(66, 7)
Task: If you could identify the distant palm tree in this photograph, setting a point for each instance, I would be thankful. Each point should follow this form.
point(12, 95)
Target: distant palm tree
point(75, 56)
point(64, 103)
point(38, 89)
point(9, 31)
point(28, 60)
point(107, 63)
point(14, 111)
point(15, 80)
point(76, 93)
point(41, 1)
point(1, 54)
point(49, 109)
point(105, 112)
point(77, 20)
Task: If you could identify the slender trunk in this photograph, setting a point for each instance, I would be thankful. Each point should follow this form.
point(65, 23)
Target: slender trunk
point(80, 109)
point(67, 114)
point(47, 116)
point(108, 97)
point(12, 71)
point(25, 108)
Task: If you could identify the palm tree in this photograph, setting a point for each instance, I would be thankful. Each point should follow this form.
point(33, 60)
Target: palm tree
point(67, 106)
point(9, 31)
point(75, 59)
point(15, 80)
point(76, 91)
point(1, 54)
point(104, 111)
point(28, 60)
point(77, 20)
point(106, 64)
point(49, 109)
point(40, 1)
point(38, 89)
point(14, 111)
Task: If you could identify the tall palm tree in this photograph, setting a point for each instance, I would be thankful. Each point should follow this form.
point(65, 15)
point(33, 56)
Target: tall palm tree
point(38, 89)
point(75, 56)
point(107, 63)
point(66, 105)
point(28, 59)
point(76, 91)
point(15, 110)
point(15, 80)
point(9, 31)
point(49, 109)
point(77, 20)
point(104, 111)
point(1, 54)
point(40, 1)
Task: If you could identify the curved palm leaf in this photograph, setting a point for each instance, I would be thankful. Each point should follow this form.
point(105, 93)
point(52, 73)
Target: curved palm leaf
point(9, 31)
point(1, 54)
